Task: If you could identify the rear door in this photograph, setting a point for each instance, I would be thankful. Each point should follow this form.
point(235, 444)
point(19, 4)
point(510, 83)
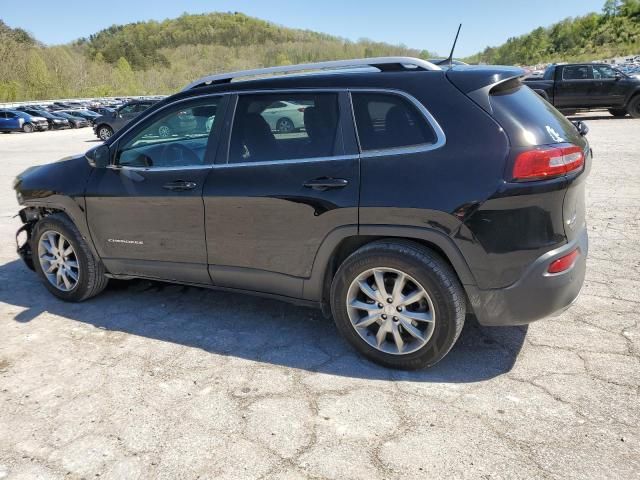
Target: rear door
point(278, 194)
point(575, 87)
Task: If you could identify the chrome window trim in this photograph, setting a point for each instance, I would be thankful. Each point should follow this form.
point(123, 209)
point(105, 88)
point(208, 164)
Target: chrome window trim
point(440, 135)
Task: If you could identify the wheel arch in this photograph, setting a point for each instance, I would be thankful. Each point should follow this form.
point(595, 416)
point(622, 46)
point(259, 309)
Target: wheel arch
point(342, 242)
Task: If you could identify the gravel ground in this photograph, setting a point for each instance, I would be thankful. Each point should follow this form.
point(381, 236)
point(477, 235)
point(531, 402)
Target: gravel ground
point(158, 381)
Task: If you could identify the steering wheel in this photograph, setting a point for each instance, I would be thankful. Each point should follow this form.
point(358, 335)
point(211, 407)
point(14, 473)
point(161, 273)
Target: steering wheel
point(178, 155)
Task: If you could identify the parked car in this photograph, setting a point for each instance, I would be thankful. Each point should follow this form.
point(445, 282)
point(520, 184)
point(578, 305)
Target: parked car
point(413, 196)
point(88, 115)
point(106, 125)
point(284, 117)
point(55, 122)
point(101, 110)
point(74, 120)
point(574, 87)
point(15, 121)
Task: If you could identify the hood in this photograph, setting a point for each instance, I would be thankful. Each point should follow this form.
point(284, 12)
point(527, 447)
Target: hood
point(67, 176)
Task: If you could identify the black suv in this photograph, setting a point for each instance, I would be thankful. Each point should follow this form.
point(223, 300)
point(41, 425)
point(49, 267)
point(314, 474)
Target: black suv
point(410, 197)
point(105, 125)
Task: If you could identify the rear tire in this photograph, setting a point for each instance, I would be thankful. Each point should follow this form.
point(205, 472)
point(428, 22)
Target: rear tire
point(618, 112)
point(634, 107)
point(424, 275)
point(27, 128)
point(88, 271)
point(285, 125)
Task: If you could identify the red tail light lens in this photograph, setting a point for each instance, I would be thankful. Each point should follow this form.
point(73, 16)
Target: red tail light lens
point(564, 263)
point(547, 162)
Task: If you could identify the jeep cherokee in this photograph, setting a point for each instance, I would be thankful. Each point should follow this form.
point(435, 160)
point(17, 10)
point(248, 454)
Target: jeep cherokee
point(410, 197)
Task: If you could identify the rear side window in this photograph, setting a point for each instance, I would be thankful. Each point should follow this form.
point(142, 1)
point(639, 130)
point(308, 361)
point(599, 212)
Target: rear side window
point(284, 127)
point(389, 121)
point(528, 119)
point(577, 72)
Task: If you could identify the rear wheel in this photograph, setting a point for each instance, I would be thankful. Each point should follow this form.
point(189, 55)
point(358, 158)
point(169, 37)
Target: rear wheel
point(27, 128)
point(64, 261)
point(285, 125)
point(618, 112)
point(164, 131)
point(634, 107)
point(105, 132)
point(398, 303)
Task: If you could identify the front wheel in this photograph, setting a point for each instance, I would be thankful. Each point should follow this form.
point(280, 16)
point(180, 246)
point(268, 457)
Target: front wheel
point(27, 128)
point(64, 261)
point(398, 303)
point(105, 132)
point(634, 107)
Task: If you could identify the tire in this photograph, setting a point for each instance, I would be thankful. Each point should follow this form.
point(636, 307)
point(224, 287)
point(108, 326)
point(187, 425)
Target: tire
point(104, 132)
point(443, 301)
point(89, 271)
point(164, 131)
point(285, 125)
point(618, 112)
point(27, 128)
point(634, 107)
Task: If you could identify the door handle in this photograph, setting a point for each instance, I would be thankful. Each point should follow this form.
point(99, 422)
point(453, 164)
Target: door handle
point(325, 183)
point(180, 185)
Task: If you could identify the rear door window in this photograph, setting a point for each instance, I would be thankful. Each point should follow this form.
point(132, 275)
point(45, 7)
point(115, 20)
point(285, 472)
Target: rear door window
point(386, 121)
point(285, 126)
point(577, 72)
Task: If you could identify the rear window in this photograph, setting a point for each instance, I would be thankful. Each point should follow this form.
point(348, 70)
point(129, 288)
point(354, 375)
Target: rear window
point(389, 121)
point(528, 119)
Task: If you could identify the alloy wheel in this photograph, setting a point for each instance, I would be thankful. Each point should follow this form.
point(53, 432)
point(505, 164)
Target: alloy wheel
point(390, 310)
point(58, 260)
point(105, 133)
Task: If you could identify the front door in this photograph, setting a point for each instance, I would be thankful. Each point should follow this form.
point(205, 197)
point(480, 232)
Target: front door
point(285, 185)
point(611, 86)
point(145, 212)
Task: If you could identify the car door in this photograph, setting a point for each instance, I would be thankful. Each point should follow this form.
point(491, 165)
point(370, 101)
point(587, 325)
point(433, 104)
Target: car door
point(276, 196)
point(4, 122)
point(145, 211)
point(576, 87)
point(611, 86)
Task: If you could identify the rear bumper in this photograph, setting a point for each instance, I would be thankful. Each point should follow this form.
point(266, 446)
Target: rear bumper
point(537, 294)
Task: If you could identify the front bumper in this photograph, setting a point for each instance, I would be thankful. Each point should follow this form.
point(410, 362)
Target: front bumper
point(42, 126)
point(537, 294)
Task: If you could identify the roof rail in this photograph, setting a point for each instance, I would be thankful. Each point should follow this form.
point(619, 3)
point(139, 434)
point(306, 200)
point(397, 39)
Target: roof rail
point(381, 63)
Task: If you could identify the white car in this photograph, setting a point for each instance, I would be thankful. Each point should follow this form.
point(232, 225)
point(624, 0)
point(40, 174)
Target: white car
point(284, 117)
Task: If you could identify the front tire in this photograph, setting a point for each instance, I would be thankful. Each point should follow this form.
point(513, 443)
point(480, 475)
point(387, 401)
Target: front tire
point(398, 303)
point(634, 107)
point(27, 128)
point(105, 132)
point(64, 261)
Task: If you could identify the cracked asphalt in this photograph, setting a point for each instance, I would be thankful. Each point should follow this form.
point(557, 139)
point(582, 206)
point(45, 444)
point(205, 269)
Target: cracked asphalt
point(151, 380)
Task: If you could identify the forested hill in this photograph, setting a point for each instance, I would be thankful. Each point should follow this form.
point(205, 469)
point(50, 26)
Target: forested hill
point(161, 57)
point(614, 32)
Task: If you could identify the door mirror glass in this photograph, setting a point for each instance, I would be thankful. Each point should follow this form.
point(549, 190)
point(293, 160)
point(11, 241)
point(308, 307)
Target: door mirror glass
point(98, 157)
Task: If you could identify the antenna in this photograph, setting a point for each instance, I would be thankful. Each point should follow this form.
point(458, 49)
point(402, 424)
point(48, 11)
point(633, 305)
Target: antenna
point(449, 60)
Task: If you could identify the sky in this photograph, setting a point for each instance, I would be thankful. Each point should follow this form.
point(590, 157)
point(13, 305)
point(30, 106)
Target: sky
point(421, 24)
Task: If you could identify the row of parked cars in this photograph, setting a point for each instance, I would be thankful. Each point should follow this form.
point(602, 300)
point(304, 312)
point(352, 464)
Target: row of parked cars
point(59, 115)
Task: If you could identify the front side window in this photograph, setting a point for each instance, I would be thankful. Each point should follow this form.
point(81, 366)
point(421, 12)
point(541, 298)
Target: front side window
point(603, 72)
point(389, 121)
point(577, 72)
point(176, 136)
point(284, 127)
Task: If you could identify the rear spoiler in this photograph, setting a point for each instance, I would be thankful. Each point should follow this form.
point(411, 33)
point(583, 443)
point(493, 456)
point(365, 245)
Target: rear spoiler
point(477, 82)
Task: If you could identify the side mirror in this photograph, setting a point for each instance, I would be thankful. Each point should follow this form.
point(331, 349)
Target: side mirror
point(581, 127)
point(98, 157)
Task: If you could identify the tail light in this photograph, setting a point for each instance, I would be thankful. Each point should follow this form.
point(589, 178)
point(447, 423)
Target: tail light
point(547, 162)
point(564, 263)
